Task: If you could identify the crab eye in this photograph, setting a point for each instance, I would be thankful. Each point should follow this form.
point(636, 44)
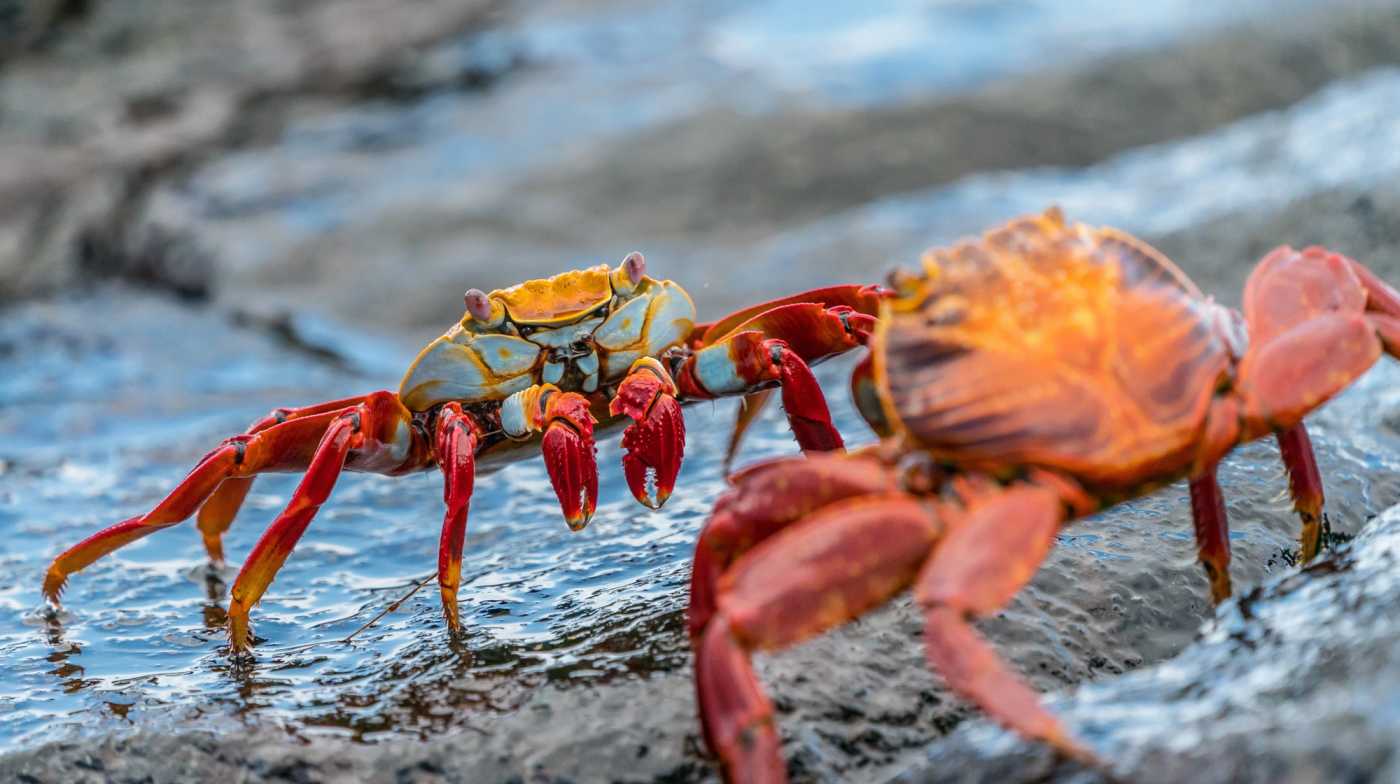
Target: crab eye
point(636, 266)
point(478, 304)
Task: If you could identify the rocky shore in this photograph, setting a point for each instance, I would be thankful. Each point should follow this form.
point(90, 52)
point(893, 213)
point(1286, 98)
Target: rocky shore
point(246, 207)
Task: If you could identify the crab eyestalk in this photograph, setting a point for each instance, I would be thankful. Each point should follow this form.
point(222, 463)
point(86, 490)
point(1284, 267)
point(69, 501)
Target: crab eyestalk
point(655, 442)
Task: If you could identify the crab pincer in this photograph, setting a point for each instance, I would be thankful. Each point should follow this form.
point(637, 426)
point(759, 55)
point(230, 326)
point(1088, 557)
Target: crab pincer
point(570, 455)
point(655, 441)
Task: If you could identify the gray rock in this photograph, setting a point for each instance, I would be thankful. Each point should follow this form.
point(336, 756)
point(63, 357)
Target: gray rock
point(1296, 681)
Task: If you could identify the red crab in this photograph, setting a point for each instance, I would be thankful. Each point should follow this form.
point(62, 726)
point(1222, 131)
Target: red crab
point(1025, 379)
point(538, 362)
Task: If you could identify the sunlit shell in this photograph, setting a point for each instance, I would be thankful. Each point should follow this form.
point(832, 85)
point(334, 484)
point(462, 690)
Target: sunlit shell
point(1052, 345)
point(557, 300)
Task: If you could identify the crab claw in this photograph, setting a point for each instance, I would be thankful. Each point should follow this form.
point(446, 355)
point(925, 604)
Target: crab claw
point(655, 442)
point(569, 454)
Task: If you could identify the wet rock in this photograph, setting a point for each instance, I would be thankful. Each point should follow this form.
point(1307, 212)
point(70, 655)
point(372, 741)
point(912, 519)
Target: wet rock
point(166, 85)
point(575, 665)
point(1295, 681)
point(367, 186)
point(415, 196)
point(743, 172)
point(1322, 171)
point(155, 257)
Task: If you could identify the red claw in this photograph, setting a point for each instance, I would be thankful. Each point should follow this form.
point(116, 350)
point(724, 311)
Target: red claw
point(655, 442)
point(655, 447)
point(806, 407)
point(570, 456)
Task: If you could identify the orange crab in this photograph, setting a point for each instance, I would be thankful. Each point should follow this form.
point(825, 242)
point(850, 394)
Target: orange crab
point(1022, 380)
point(539, 362)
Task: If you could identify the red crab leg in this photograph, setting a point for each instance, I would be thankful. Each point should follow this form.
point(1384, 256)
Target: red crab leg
point(374, 425)
point(747, 362)
point(1212, 532)
point(1317, 321)
point(217, 513)
point(836, 564)
point(283, 447)
point(773, 343)
point(749, 408)
point(457, 438)
point(866, 395)
point(985, 559)
point(768, 497)
point(655, 442)
point(860, 299)
point(1305, 485)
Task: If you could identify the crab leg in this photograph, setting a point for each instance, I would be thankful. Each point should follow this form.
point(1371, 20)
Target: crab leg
point(1305, 485)
point(217, 513)
point(1212, 532)
point(864, 300)
point(767, 498)
point(750, 407)
point(376, 427)
point(655, 442)
point(568, 447)
point(457, 438)
point(837, 563)
point(1317, 320)
point(986, 558)
point(747, 362)
point(773, 344)
point(282, 447)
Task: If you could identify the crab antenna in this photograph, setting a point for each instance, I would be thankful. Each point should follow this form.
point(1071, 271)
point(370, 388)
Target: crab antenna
point(478, 304)
point(636, 266)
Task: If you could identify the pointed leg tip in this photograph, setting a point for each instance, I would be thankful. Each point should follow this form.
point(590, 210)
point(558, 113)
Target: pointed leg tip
point(1220, 590)
point(54, 583)
point(238, 636)
point(663, 494)
point(1072, 748)
point(578, 513)
point(1310, 543)
point(449, 610)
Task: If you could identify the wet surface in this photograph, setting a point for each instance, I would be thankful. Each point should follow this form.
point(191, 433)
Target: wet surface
point(143, 631)
point(97, 427)
point(1343, 136)
point(333, 226)
point(1302, 688)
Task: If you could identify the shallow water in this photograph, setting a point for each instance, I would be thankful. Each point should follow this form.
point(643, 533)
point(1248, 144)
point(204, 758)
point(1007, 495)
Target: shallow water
point(106, 402)
point(96, 428)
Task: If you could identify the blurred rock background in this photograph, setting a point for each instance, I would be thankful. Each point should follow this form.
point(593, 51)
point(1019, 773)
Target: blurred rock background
point(315, 183)
point(367, 158)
